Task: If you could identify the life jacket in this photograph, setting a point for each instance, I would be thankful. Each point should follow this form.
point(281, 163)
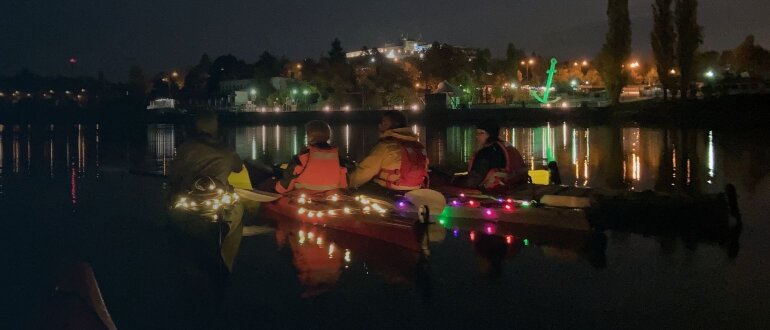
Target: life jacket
point(318, 170)
point(514, 172)
point(413, 171)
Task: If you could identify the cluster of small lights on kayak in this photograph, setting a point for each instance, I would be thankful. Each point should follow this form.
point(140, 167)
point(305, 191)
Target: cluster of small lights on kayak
point(365, 205)
point(221, 199)
point(490, 206)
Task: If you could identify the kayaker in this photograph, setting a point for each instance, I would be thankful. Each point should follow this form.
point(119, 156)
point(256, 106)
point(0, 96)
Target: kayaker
point(204, 156)
point(397, 163)
point(317, 168)
point(496, 164)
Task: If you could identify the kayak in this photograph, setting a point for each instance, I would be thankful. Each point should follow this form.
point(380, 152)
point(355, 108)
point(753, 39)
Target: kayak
point(508, 210)
point(361, 215)
point(582, 208)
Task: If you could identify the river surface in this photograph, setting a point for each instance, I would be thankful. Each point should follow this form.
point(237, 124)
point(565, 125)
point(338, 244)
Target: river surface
point(66, 194)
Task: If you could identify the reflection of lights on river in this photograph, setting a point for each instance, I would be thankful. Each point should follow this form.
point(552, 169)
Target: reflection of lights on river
point(264, 139)
point(331, 250)
point(673, 165)
point(301, 237)
point(347, 139)
point(277, 137)
point(253, 143)
point(564, 135)
point(710, 157)
point(82, 151)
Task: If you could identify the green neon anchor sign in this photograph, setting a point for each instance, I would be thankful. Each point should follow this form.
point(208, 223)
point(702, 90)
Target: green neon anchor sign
point(547, 91)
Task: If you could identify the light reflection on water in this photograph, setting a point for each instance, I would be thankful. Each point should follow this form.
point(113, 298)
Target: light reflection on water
point(74, 156)
point(632, 157)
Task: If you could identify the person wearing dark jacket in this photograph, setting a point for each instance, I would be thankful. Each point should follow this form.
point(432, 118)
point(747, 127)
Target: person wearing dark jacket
point(495, 163)
point(204, 155)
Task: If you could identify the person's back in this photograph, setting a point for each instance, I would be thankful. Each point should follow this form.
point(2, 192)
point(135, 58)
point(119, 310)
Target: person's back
point(398, 162)
point(317, 168)
point(202, 155)
point(495, 164)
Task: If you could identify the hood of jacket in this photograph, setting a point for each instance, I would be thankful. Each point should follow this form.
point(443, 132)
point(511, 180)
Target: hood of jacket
point(403, 133)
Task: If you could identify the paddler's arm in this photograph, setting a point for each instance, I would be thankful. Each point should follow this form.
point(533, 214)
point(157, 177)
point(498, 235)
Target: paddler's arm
point(282, 184)
point(369, 167)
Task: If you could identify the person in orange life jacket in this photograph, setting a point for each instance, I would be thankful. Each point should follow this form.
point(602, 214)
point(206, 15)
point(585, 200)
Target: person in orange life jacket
point(397, 163)
point(495, 164)
point(317, 168)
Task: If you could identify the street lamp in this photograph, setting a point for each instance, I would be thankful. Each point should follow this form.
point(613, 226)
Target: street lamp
point(710, 74)
point(527, 64)
point(253, 93)
point(168, 83)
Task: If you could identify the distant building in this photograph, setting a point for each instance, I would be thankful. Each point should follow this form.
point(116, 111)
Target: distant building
point(406, 48)
point(231, 86)
point(239, 92)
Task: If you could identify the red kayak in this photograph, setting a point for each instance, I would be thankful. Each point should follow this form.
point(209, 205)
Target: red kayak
point(361, 215)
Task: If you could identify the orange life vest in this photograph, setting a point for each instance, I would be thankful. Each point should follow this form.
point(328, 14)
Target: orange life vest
point(413, 171)
point(318, 170)
point(514, 172)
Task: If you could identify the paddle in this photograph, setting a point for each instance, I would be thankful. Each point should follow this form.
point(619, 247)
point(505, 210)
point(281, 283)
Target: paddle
point(434, 200)
point(257, 195)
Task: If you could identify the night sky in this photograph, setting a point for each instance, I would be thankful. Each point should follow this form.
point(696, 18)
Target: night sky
point(109, 36)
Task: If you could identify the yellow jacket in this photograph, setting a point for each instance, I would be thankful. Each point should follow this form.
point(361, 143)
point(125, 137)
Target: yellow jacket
point(386, 155)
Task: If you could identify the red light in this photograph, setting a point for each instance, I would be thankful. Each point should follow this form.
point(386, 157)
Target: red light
point(509, 239)
point(508, 207)
point(472, 203)
point(473, 236)
point(509, 200)
point(73, 60)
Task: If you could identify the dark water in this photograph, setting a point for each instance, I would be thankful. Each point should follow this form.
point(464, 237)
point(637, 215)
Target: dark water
point(65, 194)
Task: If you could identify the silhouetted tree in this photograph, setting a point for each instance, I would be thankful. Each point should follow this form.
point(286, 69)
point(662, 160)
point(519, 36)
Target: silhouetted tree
point(511, 63)
point(616, 49)
point(689, 38)
point(336, 54)
point(663, 38)
point(195, 83)
point(747, 57)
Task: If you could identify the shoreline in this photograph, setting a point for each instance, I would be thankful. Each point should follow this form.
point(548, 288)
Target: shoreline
point(737, 112)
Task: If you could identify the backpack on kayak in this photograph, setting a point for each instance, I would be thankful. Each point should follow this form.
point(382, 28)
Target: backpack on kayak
point(413, 170)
